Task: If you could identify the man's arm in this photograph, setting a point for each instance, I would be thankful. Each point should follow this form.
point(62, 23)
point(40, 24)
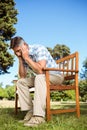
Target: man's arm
point(36, 66)
point(22, 69)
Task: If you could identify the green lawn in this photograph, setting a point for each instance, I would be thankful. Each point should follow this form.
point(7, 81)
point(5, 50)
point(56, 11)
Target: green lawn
point(68, 121)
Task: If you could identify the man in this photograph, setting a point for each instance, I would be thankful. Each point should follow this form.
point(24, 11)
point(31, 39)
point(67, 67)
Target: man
point(34, 57)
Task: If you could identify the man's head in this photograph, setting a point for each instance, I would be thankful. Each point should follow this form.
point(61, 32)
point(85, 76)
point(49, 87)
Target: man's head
point(17, 43)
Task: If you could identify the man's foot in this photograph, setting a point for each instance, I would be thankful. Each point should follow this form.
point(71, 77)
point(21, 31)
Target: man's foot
point(34, 121)
point(27, 117)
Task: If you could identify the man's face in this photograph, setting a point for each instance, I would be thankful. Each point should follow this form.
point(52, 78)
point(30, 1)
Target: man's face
point(17, 50)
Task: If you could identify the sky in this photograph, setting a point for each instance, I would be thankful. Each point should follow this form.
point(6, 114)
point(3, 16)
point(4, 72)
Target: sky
point(51, 22)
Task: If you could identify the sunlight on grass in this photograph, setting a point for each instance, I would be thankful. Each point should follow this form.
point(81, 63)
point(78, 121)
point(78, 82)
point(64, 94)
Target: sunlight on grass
point(68, 121)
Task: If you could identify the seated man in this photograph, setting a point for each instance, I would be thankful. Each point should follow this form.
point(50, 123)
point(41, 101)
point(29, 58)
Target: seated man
point(34, 57)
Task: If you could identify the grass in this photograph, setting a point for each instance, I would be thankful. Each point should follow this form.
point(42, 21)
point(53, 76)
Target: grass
point(68, 121)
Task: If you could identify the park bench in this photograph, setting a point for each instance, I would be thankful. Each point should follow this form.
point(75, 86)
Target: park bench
point(68, 66)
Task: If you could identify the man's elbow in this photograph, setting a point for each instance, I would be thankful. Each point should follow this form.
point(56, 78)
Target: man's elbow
point(40, 72)
point(22, 75)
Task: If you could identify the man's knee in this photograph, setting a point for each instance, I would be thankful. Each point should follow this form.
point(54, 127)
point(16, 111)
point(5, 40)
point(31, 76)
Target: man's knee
point(20, 82)
point(40, 77)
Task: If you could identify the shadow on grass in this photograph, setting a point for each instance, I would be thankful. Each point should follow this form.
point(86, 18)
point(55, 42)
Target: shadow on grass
point(9, 121)
point(21, 114)
point(83, 109)
point(10, 113)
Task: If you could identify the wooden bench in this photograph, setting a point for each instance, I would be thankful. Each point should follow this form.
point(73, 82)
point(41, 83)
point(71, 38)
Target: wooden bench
point(68, 66)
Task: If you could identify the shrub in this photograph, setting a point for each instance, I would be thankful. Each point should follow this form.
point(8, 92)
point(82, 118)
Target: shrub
point(83, 90)
point(10, 92)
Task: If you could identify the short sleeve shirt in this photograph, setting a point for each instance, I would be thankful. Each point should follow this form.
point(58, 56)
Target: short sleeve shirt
point(38, 53)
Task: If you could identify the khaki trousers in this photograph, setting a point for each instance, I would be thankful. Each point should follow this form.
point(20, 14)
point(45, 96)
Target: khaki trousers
point(39, 104)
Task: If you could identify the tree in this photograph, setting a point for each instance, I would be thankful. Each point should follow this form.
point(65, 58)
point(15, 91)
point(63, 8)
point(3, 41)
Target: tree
point(83, 90)
point(83, 74)
point(7, 20)
point(83, 82)
point(9, 92)
point(59, 51)
point(1, 91)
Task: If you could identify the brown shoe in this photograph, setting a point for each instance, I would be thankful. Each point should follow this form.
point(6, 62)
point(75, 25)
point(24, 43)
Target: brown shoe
point(34, 121)
point(27, 117)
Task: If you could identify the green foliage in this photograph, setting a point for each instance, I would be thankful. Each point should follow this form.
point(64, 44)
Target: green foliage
point(8, 92)
point(59, 51)
point(83, 74)
point(62, 95)
point(83, 90)
point(70, 94)
point(6, 59)
point(1, 93)
point(68, 121)
point(7, 20)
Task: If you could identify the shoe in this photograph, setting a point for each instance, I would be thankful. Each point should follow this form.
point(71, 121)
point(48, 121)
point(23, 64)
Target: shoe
point(34, 121)
point(27, 117)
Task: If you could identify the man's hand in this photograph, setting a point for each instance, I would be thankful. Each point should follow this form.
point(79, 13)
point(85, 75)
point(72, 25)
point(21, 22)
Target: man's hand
point(25, 52)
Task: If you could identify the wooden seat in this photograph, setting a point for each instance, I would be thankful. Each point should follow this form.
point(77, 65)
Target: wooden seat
point(69, 68)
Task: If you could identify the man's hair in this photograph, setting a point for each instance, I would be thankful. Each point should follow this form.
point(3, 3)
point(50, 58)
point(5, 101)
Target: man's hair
point(16, 41)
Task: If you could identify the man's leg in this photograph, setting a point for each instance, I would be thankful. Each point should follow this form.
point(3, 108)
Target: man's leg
point(56, 79)
point(40, 98)
point(39, 101)
point(25, 99)
point(40, 92)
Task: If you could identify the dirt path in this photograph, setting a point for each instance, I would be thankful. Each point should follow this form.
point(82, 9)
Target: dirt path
point(6, 104)
point(11, 104)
